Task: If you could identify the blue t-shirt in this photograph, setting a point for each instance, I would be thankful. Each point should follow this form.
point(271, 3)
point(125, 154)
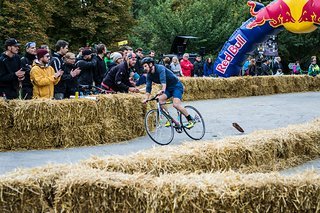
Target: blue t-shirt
point(162, 75)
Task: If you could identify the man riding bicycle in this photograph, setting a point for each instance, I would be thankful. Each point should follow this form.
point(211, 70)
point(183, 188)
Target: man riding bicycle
point(171, 86)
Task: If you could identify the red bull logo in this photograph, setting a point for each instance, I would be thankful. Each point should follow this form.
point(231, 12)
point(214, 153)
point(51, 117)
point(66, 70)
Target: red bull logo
point(277, 13)
point(298, 16)
point(231, 52)
point(311, 12)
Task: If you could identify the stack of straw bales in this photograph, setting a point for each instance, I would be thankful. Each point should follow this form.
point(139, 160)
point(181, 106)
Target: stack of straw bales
point(80, 189)
point(184, 178)
point(41, 124)
point(261, 151)
point(212, 88)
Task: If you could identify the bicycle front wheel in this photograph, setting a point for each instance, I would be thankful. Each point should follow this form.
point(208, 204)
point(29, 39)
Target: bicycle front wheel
point(159, 127)
point(198, 130)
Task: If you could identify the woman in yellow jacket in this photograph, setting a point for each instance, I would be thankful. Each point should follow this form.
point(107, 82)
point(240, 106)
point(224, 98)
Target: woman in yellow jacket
point(43, 76)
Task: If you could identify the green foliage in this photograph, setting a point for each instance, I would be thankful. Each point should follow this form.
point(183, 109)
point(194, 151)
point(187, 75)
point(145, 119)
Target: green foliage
point(213, 21)
point(79, 22)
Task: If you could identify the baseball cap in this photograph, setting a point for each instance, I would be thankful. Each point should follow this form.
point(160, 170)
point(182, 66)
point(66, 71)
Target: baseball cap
point(86, 52)
point(11, 42)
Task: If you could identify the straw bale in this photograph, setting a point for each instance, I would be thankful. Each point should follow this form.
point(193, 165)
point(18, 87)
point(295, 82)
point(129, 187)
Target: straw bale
point(262, 151)
point(51, 114)
point(80, 136)
point(93, 190)
point(5, 115)
point(30, 190)
point(33, 139)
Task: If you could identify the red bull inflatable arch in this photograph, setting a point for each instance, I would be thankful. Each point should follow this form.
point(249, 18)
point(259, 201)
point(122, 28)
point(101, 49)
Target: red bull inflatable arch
point(297, 16)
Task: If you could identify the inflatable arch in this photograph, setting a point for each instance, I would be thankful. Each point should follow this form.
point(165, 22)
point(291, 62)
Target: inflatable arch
point(297, 16)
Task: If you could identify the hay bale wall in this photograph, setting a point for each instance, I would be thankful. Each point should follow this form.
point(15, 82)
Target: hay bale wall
point(42, 124)
point(91, 190)
point(171, 187)
point(261, 151)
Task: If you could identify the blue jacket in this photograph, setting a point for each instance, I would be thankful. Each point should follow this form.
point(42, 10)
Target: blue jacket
point(162, 75)
point(207, 69)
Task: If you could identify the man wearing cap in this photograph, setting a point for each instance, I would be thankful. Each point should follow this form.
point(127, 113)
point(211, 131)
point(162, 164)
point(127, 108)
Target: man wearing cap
point(10, 70)
point(26, 63)
point(117, 58)
point(117, 78)
point(43, 76)
point(87, 65)
point(61, 47)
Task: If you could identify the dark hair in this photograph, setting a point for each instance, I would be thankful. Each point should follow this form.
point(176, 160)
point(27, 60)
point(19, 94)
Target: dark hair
point(138, 49)
point(100, 48)
point(61, 44)
point(123, 48)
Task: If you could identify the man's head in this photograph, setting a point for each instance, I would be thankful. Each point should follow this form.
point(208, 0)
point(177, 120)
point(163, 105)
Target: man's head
point(31, 48)
point(116, 57)
point(12, 46)
point(86, 54)
point(43, 56)
point(131, 59)
point(62, 47)
point(152, 53)
point(101, 49)
point(139, 53)
point(185, 56)
point(148, 64)
point(198, 58)
point(70, 58)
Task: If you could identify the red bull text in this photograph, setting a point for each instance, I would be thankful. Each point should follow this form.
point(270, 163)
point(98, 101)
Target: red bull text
point(231, 52)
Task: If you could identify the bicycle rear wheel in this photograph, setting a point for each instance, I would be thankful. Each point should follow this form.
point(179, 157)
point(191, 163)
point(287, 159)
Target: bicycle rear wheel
point(198, 130)
point(156, 129)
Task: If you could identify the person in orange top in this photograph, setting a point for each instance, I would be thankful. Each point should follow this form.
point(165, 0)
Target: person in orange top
point(186, 65)
point(43, 76)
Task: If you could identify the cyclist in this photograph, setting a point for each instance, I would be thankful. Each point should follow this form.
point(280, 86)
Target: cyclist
point(171, 86)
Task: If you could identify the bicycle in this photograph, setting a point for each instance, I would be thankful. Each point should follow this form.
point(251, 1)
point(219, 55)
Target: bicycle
point(93, 90)
point(160, 125)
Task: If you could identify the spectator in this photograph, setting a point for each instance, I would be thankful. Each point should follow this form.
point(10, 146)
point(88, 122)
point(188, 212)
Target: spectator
point(198, 66)
point(252, 69)
point(124, 51)
point(152, 54)
point(117, 58)
point(296, 69)
point(46, 47)
point(277, 66)
point(107, 59)
point(175, 67)
point(208, 67)
point(79, 56)
point(10, 70)
point(186, 65)
point(101, 68)
point(56, 62)
point(313, 68)
point(118, 77)
point(43, 76)
point(138, 68)
point(265, 67)
point(166, 63)
point(87, 65)
point(26, 62)
point(245, 70)
point(70, 78)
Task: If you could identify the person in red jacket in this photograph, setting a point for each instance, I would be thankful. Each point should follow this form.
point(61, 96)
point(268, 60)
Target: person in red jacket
point(186, 65)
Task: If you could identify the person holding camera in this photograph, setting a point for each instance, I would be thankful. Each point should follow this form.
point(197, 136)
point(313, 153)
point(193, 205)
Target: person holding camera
point(43, 77)
point(11, 73)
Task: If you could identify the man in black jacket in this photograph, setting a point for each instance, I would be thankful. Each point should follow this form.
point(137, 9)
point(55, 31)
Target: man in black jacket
point(87, 65)
point(101, 68)
point(10, 70)
point(117, 78)
point(26, 63)
point(61, 47)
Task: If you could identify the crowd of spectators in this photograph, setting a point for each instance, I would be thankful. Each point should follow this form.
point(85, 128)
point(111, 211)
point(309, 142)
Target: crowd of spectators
point(40, 74)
